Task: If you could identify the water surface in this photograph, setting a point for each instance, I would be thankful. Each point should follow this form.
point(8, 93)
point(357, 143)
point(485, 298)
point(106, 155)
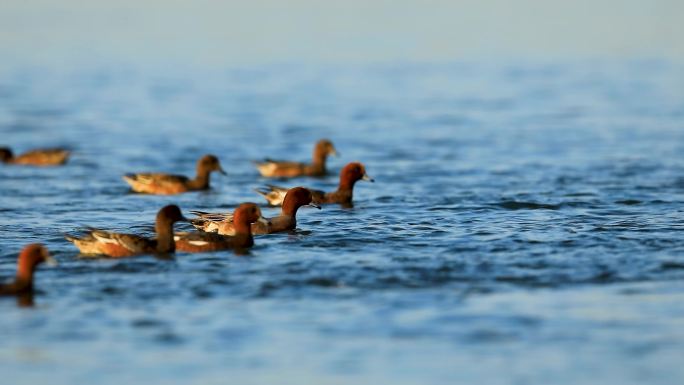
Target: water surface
point(525, 226)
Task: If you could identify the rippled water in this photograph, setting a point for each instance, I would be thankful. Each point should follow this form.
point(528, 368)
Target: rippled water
point(525, 226)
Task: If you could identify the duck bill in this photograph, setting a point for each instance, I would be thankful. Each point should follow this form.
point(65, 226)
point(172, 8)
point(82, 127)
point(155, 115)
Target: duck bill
point(222, 171)
point(50, 261)
point(367, 178)
point(334, 153)
point(264, 221)
point(314, 205)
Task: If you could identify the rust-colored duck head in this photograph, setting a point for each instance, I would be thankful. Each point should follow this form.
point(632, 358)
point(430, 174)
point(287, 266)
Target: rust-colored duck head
point(295, 198)
point(209, 163)
point(30, 257)
point(166, 217)
point(323, 148)
point(5, 154)
point(351, 173)
point(246, 214)
point(170, 213)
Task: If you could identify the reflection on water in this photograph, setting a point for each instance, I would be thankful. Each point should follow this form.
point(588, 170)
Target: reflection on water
point(524, 227)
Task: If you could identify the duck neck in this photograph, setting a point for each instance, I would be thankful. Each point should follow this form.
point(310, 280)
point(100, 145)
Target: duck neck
point(319, 159)
point(201, 180)
point(243, 231)
point(243, 240)
point(25, 270)
point(290, 208)
point(346, 183)
point(165, 242)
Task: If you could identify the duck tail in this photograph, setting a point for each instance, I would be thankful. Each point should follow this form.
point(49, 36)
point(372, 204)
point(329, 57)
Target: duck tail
point(70, 237)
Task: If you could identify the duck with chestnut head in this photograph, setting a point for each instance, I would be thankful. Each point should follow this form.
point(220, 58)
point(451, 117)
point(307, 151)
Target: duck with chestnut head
point(243, 217)
point(286, 169)
point(38, 157)
point(119, 245)
point(287, 220)
point(350, 174)
point(29, 259)
point(167, 184)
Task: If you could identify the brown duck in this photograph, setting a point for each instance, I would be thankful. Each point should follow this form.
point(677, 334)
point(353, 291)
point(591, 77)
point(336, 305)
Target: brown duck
point(167, 184)
point(40, 157)
point(29, 259)
point(199, 241)
point(287, 220)
point(285, 169)
point(350, 174)
point(117, 245)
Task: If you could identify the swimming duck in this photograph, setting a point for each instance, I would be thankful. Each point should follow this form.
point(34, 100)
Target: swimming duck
point(285, 169)
point(117, 245)
point(40, 157)
point(287, 220)
point(199, 241)
point(350, 174)
point(166, 184)
point(30, 257)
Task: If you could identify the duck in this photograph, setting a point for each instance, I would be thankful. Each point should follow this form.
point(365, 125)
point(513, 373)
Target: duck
point(168, 184)
point(350, 174)
point(30, 257)
point(118, 245)
point(270, 168)
point(200, 241)
point(38, 157)
point(287, 220)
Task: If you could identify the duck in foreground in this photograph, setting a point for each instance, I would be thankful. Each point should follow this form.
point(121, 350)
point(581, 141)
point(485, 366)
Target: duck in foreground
point(243, 217)
point(117, 245)
point(287, 220)
point(350, 174)
point(167, 184)
point(285, 169)
point(40, 157)
point(29, 258)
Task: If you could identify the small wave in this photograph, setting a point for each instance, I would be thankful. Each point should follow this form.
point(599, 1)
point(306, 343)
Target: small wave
point(672, 265)
point(516, 205)
point(629, 202)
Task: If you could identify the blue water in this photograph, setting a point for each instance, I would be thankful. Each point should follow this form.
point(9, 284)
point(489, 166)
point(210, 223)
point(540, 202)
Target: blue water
point(525, 226)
